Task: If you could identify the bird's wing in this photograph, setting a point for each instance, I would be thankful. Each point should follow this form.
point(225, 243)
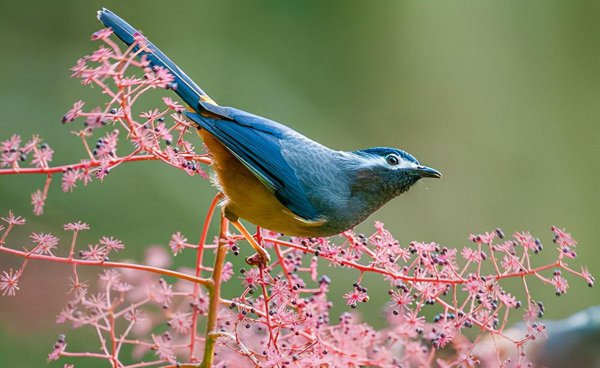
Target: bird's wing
point(257, 143)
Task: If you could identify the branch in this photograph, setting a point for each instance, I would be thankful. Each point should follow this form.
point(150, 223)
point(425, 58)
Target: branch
point(133, 266)
point(94, 163)
point(215, 297)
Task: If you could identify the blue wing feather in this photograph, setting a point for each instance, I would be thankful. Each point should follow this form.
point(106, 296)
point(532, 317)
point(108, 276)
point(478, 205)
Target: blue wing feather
point(186, 88)
point(256, 142)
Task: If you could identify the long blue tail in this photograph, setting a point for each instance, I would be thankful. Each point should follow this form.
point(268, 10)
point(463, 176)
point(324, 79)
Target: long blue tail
point(186, 88)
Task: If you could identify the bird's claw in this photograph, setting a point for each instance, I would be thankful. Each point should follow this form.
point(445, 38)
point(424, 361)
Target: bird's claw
point(259, 259)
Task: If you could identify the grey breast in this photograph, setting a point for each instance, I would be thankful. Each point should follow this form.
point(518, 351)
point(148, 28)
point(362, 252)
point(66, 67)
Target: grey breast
point(321, 171)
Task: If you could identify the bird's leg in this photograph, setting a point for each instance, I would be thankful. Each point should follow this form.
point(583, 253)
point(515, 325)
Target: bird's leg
point(261, 256)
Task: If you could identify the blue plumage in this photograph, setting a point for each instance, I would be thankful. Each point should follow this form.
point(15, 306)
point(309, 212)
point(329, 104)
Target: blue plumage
point(257, 142)
point(186, 88)
point(277, 178)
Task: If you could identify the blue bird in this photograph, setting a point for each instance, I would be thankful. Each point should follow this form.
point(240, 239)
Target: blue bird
point(276, 178)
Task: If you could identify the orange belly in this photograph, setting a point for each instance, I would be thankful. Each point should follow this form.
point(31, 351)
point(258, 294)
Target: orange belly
point(248, 198)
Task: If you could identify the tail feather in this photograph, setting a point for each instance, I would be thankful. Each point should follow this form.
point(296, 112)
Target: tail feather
point(186, 88)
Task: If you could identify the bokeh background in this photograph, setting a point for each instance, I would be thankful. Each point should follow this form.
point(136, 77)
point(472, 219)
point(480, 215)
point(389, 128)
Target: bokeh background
point(502, 97)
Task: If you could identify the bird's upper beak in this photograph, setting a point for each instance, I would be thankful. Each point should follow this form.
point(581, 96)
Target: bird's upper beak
point(427, 172)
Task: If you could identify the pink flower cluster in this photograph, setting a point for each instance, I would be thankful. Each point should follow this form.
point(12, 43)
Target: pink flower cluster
point(157, 134)
point(281, 312)
point(281, 315)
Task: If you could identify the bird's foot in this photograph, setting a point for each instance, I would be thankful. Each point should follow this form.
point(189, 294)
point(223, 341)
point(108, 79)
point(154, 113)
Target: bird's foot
point(260, 259)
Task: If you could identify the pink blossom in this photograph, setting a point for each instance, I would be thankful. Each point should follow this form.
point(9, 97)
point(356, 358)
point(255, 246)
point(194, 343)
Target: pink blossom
point(163, 293)
point(89, 76)
point(11, 219)
point(163, 348)
point(587, 276)
point(379, 225)
point(76, 226)
point(162, 132)
point(107, 146)
point(65, 315)
point(509, 300)
point(37, 201)
point(11, 144)
point(563, 238)
point(327, 249)
point(444, 337)
point(486, 238)
point(59, 348)
point(122, 287)
point(201, 302)
point(101, 55)
point(412, 325)
point(164, 78)
point(102, 34)
point(402, 298)
point(173, 105)
point(181, 322)
point(9, 282)
point(511, 263)
point(231, 243)
point(110, 277)
point(104, 169)
point(314, 272)
point(95, 252)
point(86, 175)
point(10, 151)
point(130, 81)
point(472, 255)
point(97, 301)
point(526, 240)
point(280, 291)
point(69, 180)
point(95, 118)
point(560, 283)
point(74, 112)
point(133, 315)
point(150, 114)
point(44, 243)
point(9, 158)
point(177, 243)
point(355, 296)
point(42, 156)
point(78, 71)
point(111, 244)
point(473, 285)
point(31, 144)
point(140, 40)
point(250, 278)
point(227, 271)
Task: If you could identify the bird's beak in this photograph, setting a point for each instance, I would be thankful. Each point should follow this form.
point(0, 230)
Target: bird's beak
point(427, 172)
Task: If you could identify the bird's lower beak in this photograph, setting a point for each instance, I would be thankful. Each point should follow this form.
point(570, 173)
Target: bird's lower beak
point(427, 172)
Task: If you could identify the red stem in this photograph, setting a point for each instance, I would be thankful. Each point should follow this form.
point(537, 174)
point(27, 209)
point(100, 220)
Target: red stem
point(63, 168)
point(132, 266)
point(199, 254)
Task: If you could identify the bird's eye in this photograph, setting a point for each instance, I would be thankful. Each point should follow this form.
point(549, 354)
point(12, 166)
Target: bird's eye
point(392, 159)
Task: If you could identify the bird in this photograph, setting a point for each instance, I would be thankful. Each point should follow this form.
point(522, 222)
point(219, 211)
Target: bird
point(276, 178)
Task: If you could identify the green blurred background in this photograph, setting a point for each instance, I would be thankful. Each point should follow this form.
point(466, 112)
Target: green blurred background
point(502, 97)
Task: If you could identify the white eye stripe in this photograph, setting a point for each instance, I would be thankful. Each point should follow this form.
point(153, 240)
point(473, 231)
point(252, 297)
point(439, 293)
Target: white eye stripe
point(402, 164)
point(375, 160)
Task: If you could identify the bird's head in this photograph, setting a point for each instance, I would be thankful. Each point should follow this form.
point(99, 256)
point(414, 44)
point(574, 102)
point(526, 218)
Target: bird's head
point(384, 173)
